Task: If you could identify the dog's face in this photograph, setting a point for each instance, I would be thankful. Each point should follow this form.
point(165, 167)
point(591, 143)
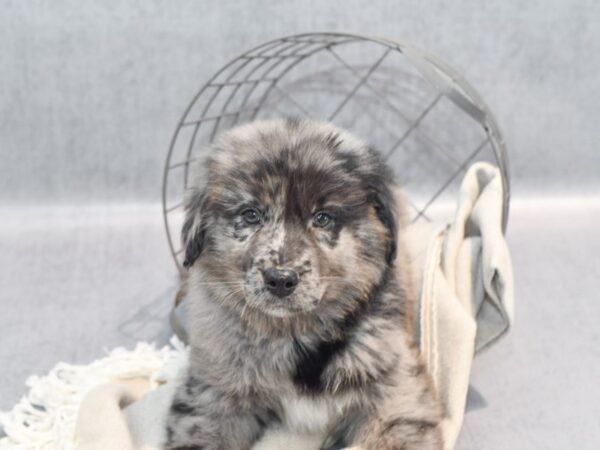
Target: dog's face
point(293, 218)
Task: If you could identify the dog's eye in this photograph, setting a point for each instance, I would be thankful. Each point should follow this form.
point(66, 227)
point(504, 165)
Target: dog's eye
point(321, 219)
point(251, 216)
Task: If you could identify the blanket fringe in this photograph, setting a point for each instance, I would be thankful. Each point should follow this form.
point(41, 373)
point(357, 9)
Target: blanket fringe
point(45, 418)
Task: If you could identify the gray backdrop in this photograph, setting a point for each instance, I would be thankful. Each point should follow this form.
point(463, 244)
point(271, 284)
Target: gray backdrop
point(90, 93)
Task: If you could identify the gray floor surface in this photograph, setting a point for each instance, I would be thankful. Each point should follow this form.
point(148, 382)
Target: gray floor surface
point(77, 281)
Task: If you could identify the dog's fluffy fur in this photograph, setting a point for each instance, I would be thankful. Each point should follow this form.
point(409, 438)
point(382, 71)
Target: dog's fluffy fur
point(335, 355)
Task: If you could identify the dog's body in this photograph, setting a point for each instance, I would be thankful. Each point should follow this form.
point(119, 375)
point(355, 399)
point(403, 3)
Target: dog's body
point(299, 298)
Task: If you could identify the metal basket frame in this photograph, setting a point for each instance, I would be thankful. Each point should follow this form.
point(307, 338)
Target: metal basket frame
point(293, 50)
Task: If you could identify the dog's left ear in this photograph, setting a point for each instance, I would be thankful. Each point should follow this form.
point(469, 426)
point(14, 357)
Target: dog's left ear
point(193, 232)
point(384, 202)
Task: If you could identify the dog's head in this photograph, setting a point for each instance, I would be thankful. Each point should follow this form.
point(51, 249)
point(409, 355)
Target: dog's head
point(291, 217)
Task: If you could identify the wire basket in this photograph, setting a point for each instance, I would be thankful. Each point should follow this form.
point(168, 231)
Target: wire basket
point(427, 121)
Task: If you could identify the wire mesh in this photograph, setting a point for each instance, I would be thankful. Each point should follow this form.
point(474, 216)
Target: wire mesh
point(426, 120)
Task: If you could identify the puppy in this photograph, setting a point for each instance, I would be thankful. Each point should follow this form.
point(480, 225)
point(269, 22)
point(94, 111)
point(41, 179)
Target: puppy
point(299, 297)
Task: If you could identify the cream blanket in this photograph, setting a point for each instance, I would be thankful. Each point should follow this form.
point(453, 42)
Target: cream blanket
point(466, 303)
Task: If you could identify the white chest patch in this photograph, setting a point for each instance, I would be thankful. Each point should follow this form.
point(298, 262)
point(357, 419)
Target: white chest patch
point(308, 415)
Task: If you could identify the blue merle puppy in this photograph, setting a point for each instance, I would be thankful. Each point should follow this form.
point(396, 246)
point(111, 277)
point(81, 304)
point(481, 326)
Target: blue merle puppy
point(299, 297)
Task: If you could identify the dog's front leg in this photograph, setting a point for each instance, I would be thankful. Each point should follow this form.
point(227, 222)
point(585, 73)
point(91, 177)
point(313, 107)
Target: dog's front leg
point(393, 431)
point(201, 418)
point(408, 416)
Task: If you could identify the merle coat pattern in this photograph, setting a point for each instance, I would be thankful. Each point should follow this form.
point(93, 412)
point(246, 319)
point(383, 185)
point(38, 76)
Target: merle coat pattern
point(299, 297)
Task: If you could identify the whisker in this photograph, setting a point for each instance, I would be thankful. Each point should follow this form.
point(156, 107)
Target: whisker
point(231, 294)
point(244, 310)
point(367, 259)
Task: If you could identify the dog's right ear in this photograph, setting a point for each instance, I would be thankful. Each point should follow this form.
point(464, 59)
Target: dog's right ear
point(193, 232)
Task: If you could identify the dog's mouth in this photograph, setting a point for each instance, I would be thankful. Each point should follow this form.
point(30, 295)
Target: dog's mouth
point(279, 311)
point(279, 307)
point(297, 303)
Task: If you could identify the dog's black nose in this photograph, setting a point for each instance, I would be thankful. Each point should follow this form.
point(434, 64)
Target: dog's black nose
point(280, 282)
